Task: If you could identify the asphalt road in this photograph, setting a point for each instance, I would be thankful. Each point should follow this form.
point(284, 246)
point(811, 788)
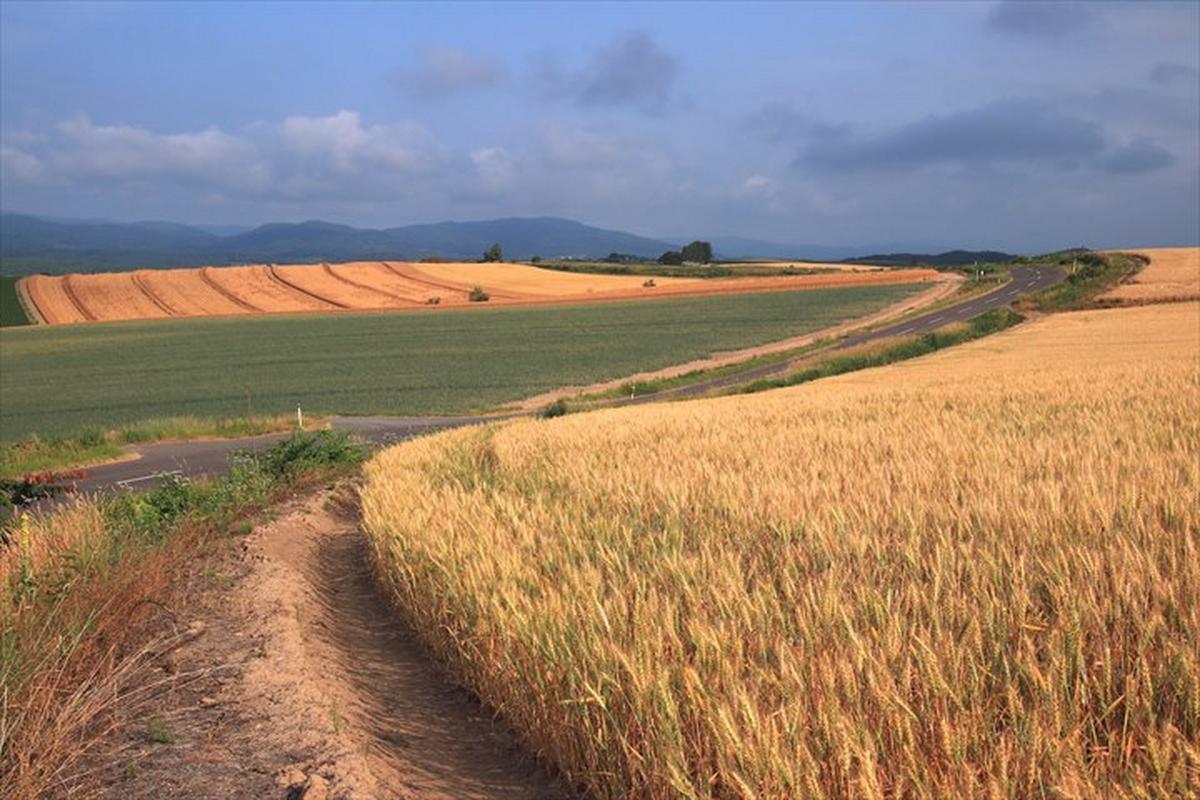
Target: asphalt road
point(211, 457)
point(1024, 281)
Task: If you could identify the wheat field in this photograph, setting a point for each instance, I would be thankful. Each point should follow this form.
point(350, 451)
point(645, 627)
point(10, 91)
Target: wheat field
point(975, 574)
point(1172, 274)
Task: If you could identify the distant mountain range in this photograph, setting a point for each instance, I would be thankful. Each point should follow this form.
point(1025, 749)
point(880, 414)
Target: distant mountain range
point(31, 243)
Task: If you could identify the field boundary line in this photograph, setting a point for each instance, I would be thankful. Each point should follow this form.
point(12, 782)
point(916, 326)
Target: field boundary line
point(328, 268)
point(228, 295)
point(273, 274)
point(30, 306)
point(139, 281)
point(69, 291)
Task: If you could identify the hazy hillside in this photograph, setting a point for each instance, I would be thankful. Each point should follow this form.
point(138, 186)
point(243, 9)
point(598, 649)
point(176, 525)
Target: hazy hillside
point(951, 258)
point(33, 244)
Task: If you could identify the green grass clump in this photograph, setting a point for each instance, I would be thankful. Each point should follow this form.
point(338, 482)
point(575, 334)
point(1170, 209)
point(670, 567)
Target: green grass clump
point(12, 313)
point(58, 379)
point(1089, 275)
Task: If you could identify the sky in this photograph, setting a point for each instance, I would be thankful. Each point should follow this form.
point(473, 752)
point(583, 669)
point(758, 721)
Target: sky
point(1021, 126)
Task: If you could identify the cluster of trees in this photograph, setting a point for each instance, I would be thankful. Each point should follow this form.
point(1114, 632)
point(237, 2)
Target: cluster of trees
point(697, 252)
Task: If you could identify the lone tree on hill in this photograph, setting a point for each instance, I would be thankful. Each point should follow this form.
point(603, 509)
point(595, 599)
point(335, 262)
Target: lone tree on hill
point(698, 252)
point(493, 253)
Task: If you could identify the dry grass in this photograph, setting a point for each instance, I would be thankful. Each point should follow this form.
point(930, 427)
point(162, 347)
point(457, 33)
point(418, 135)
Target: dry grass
point(975, 574)
point(1172, 274)
point(71, 652)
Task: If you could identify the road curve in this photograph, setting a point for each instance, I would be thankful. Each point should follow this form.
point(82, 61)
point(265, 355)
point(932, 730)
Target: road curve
point(1024, 280)
point(211, 457)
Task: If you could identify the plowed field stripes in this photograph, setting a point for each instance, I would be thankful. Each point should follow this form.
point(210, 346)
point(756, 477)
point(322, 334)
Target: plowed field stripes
point(139, 281)
point(364, 286)
point(69, 291)
point(228, 295)
point(274, 275)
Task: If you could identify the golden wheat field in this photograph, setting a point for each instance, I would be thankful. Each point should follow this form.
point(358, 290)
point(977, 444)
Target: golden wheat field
point(375, 286)
point(975, 574)
point(1172, 274)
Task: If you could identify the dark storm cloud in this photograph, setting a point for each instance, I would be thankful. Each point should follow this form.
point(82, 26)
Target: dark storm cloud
point(1045, 19)
point(1140, 155)
point(1004, 131)
point(630, 71)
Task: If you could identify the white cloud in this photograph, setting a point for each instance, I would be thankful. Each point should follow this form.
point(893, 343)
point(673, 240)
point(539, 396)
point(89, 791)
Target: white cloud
point(447, 70)
point(17, 165)
point(496, 168)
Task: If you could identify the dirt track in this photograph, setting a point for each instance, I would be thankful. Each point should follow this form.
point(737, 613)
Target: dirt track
point(306, 677)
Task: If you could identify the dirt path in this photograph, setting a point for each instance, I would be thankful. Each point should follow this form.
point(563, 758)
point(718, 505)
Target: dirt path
point(302, 684)
point(946, 286)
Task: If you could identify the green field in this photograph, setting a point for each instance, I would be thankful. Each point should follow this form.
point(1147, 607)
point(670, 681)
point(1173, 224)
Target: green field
point(11, 312)
point(59, 379)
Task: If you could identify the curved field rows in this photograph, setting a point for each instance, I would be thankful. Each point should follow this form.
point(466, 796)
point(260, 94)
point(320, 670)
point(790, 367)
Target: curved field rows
point(383, 278)
point(255, 286)
point(186, 292)
point(518, 279)
point(50, 298)
point(321, 282)
point(380, 286)
point(112, 295)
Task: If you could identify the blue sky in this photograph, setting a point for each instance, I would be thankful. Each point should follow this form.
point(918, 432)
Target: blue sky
point(1014, 125)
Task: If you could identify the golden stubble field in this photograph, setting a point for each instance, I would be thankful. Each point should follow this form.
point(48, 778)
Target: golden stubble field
point(975, 574)
point(377, 286)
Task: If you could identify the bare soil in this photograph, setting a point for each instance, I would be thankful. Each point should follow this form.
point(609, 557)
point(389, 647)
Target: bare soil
point(302, 683)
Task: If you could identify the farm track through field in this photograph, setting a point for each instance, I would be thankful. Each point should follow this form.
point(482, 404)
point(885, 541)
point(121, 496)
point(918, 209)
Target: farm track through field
point(139, 281)
point(278, 278)
point(228, 295)
point(303, 674)
point(72, 295)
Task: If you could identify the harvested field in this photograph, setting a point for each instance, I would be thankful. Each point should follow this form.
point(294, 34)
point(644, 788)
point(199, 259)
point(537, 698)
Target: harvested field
point(186, 292)
point(256, 286)
point(49, 296)
point(113, 295)
point(1172, 274)
point(381, 286)
point(968, 575)
point(387, 277)
point(522, 280)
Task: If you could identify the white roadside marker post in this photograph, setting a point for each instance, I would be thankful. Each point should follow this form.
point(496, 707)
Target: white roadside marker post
point(299, 418)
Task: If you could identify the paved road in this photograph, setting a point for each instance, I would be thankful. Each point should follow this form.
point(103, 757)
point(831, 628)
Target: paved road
point(211, 457)
point(1024, 280)
point(201, 458)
